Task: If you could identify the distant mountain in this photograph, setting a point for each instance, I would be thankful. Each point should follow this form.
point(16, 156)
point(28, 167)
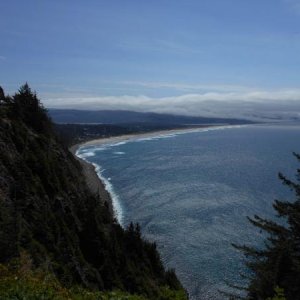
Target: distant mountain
point(129, 117)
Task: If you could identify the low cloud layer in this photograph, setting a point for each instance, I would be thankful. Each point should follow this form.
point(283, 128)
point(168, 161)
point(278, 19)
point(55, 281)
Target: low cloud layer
point(281, 104)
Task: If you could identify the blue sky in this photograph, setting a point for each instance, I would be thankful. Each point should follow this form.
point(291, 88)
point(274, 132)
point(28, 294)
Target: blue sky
point(160, 48)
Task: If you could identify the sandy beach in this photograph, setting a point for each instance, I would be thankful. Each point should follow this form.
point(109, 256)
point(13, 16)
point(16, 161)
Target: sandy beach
point(93, 181)
point(126, 137)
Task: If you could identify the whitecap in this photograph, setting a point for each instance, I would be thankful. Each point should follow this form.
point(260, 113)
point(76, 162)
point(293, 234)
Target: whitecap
point(85, 154)
point(118, 144)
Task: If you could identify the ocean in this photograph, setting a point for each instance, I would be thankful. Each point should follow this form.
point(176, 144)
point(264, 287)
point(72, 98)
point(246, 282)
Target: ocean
point(191, 193)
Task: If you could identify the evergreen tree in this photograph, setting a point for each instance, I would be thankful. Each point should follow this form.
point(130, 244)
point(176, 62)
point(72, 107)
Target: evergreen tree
point(278, 264)
point(27, 106)
point(2, 96)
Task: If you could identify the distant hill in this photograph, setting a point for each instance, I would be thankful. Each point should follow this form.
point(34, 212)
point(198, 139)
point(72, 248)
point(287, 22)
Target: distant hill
point(129, 117)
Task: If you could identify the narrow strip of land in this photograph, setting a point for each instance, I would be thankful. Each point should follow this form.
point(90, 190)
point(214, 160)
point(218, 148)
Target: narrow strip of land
point(93, 181)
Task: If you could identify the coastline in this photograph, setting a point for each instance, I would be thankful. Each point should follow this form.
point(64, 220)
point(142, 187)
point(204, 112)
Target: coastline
point(127, 137)
point(96, 185)
point(94, 182)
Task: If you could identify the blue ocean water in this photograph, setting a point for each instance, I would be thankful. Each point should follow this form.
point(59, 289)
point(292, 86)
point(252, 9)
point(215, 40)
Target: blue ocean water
point(192, 193)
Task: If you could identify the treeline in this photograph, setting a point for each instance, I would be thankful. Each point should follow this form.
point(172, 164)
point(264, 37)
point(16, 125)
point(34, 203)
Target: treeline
point(48, 212)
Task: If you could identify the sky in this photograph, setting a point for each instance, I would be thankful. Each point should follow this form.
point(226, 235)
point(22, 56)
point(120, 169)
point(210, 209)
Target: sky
point(190, 57)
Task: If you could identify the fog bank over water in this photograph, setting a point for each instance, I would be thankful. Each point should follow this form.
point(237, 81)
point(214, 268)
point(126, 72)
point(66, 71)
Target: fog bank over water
point(253, 105)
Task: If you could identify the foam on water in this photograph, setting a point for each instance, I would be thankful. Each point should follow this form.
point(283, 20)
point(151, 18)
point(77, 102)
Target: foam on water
point(118, 212)
point(86, 154)
point(116, 204)
point(118, 143)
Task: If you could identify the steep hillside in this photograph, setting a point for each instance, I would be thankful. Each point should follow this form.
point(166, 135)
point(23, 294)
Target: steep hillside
point(47, 211)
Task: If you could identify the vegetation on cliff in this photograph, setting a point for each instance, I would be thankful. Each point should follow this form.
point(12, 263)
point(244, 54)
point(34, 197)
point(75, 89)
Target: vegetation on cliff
point(48, 212)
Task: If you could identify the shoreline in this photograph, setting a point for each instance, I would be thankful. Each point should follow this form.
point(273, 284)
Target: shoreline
point(94, 183)
point(133, 136)
point(97, 185)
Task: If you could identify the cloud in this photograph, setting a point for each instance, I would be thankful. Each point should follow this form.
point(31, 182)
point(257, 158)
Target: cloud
point(187, 87)
point(247, 104)
point(2, 57)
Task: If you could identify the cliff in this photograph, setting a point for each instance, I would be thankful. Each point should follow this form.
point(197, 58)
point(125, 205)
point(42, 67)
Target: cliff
point(48, 212)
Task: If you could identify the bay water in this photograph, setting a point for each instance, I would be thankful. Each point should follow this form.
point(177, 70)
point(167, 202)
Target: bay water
point(191, 193)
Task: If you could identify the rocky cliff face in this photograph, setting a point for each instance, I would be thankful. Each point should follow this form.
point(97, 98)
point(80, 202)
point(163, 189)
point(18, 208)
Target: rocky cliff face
point(47, 210)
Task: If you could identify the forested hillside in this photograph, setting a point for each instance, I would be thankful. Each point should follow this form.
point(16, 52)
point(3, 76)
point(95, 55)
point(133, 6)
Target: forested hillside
point(48, 214)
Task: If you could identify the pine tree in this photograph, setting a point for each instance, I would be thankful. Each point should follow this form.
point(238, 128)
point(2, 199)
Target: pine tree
point(2, 95)
point(278, 263)
point(27, 106)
